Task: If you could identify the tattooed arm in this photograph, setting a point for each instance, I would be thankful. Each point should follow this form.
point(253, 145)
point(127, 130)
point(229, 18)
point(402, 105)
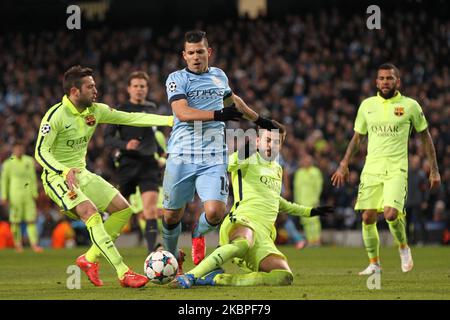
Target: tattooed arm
point(342, 173)
point(427, 142)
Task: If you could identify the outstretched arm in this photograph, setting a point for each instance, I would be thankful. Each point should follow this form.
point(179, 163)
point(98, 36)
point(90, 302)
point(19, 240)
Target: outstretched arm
point(185, 113)
point(251, 115)
point(427, 142)
point(135, 119)
point(303, 211)
point(341, 174)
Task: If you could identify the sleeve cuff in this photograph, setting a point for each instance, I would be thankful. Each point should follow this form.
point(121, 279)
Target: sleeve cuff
point(65, 172)
point(177, 97)
point(308, 211)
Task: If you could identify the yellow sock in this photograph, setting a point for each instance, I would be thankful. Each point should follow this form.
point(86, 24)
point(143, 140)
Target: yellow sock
point(102, 240)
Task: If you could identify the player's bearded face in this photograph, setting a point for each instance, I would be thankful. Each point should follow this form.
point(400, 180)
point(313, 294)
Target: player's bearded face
point(88, 93)
point(196, 56)
point(387, 83)
point(269, 144)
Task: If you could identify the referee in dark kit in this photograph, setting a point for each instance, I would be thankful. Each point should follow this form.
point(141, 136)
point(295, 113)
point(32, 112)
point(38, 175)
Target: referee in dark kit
point(136, 147)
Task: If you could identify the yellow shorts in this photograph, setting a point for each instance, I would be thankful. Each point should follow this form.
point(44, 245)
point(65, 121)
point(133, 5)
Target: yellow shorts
point(263, 245)
point(22, 210)
point(377, 191)
point(90, 187)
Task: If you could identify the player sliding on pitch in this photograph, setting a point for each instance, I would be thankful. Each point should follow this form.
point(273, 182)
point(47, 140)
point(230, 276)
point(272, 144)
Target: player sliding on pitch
point(247, 234)
point(387, 119)
point(61, 150)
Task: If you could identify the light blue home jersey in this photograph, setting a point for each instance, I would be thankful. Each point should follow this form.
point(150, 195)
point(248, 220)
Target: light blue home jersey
point(204, 91)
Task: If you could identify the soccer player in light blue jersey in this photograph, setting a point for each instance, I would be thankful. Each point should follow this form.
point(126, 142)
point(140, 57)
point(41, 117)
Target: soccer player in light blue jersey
point(201, 100)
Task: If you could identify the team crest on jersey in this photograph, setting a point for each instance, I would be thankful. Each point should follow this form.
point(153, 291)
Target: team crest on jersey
point(90, 120)
point(45, 129)
point(72, 195)
point(399, 111)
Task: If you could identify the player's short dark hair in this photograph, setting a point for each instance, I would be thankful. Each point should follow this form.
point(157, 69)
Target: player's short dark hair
point(390, 66)
point(281, 129)
point(73, 76)
point(18, 142)
point(139, 75)
point(195, 36)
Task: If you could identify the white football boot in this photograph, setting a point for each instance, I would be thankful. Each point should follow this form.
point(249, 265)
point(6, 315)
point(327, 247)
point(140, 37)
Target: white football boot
point(406, 258)
point(371, 269)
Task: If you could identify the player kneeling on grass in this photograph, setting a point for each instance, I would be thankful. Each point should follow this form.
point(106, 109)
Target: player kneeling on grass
point(247, 234)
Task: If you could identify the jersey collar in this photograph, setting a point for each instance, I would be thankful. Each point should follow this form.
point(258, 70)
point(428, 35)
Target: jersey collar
point(396, 96)
point(66, 101)
point(187, 69)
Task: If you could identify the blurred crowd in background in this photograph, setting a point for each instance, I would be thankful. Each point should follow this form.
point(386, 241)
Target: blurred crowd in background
point(307, 71)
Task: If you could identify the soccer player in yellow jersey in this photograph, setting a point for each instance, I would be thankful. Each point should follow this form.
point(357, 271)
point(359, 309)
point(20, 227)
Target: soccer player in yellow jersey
point(19, 190)
point(61, 148)
point(387, 119)
point(247, 234)
point(308, 183)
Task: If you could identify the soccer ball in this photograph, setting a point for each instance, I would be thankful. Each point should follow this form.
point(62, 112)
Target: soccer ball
point(160, 267)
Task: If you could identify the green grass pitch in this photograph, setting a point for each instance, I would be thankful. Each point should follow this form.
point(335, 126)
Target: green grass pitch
point(320, 273)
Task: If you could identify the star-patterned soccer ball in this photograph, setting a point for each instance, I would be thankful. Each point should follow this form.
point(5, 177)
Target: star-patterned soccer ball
point(160, 267)
point(45, 129)
point(172, 86)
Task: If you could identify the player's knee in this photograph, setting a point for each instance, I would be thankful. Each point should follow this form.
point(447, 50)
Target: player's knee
point(171, 220)
point(243, 245)
point(85, 210)
point(390, 215)
point(171, 217)
point(214, 216)
point(369, 217)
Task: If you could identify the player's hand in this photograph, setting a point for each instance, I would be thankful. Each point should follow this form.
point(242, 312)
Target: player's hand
point(5, 203)
point(435, 180)
point(340, 176)
point(227, 114)
point(265, 123)
point(133, 144)
point(71, 178)
point(321, 211)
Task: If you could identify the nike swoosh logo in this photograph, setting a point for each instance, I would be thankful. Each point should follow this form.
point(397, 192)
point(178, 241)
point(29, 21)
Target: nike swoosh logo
point(369, 112)
point(67, 127)
point(192, 79)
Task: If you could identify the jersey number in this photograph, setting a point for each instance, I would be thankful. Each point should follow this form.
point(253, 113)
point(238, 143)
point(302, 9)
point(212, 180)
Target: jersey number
point(64, 190)
point(223, 184)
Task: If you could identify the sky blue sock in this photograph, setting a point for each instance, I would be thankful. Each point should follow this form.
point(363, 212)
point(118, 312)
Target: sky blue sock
point(170, 234)
point(292, 231)
point(203, 226)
